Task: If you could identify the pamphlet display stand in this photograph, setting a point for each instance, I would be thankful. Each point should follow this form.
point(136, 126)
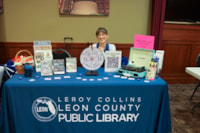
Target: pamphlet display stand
point(42, 51)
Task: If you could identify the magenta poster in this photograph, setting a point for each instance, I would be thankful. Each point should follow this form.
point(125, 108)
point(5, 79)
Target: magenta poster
point(144, 41)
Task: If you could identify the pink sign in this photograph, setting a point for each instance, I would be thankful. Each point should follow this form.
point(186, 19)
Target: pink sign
point(144, 41)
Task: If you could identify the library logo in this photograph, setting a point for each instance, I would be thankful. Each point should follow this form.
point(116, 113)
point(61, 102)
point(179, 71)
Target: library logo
point(44, 109)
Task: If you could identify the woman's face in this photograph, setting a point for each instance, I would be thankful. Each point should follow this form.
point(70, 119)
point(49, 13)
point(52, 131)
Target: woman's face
point(102, 37)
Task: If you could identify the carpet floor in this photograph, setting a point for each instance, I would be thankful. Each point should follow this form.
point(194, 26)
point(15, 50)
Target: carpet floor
point(182, 117)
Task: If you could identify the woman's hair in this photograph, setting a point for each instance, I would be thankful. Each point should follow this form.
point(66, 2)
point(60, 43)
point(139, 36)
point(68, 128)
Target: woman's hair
point(101, 29)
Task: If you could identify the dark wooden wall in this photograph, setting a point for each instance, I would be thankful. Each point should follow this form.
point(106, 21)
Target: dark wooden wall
point(182, 45)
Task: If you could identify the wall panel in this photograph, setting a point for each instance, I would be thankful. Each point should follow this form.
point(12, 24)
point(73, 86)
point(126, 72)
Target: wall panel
point(181, 44)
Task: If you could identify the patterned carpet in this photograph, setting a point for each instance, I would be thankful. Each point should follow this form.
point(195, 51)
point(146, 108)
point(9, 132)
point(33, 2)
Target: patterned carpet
point(183, 120)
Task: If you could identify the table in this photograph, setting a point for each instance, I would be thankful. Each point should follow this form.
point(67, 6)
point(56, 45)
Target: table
point(77, 103)
point(195, 72)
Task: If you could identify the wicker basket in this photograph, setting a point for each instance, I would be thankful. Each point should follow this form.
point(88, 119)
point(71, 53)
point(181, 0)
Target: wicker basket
point(20, 67)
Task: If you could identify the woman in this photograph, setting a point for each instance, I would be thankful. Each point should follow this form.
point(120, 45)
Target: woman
point(103, 45)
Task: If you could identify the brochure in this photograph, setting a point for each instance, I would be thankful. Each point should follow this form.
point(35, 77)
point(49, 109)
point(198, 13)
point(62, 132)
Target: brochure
point(46, 68)
point(71, 64)
point(58, 66)
point(42, 51)
point(151, 72)
point(112, 61)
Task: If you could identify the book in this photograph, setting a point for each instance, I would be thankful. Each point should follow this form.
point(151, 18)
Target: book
point(58, 66)
point(46, 68)
point(112, 61)
point(151, 71)
point(71, 64)
point(42, 51)
point(160, 55)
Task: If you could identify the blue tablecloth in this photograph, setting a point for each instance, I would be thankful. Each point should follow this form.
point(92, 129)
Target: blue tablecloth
point(75, 103)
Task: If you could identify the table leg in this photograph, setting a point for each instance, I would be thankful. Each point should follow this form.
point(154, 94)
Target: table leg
point(198, 84)
point(198, 104)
